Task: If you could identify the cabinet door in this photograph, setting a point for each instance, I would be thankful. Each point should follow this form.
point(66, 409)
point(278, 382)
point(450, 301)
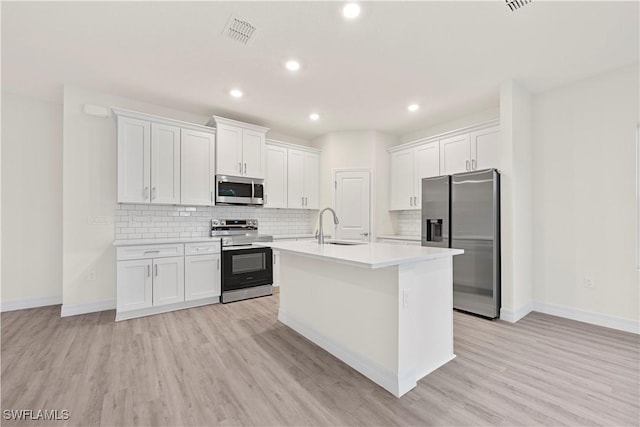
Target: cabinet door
point(201, 276)
point(134, 161)
point(134, 284)
point(311, 167)
point(168, 280)
point(165, 164)
point(401, 190)
point(252, 154)
point(427, 165)
point(485, 149)
point(228, 150)
point(275, 182)
point(196, 168)
point(295, 179)
point(455, 155)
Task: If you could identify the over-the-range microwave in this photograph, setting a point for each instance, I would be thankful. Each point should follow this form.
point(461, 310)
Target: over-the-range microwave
point(238, 190)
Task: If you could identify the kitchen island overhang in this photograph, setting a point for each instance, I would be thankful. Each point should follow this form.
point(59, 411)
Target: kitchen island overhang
point(385, 310)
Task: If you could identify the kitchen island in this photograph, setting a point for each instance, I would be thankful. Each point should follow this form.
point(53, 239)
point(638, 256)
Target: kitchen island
point(385, 310)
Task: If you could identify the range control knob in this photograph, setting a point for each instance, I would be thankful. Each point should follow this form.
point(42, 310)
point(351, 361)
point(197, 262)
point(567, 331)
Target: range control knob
point(215, 222)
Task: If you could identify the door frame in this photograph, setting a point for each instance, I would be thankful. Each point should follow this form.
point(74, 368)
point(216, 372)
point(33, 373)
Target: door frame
point(334, 195)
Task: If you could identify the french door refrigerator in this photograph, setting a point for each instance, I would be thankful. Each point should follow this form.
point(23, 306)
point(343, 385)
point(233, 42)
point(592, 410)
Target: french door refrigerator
point(462, 211)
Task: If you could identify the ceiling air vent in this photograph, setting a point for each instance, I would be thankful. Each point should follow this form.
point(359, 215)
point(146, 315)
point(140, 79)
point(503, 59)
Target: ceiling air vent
point(238, 29)
point(513, 5)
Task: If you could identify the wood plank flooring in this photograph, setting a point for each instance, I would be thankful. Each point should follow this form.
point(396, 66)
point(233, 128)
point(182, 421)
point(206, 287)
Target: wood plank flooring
point(235, 364)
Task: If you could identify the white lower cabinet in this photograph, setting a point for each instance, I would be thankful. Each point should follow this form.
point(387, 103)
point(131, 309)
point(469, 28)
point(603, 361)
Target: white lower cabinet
point(201, 276)
point(154, 279)
point(168, 280)
point(134, 285)
point(276, 268)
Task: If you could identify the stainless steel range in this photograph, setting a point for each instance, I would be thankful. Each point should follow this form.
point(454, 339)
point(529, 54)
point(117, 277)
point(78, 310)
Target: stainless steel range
point(247, 269)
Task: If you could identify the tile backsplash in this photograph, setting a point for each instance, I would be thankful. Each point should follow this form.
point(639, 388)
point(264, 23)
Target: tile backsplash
point(158, 222)
point(409, 223)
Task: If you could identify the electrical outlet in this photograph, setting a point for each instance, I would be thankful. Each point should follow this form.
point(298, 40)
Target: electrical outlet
point(405, 298)
point(132, 219)
point(588, 282)
point(92, 275)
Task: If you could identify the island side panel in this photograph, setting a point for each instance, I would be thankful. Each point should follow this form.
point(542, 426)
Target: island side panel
point(426, 319)
point(350, 311)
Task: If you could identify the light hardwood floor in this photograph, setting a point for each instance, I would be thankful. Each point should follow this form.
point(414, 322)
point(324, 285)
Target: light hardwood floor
point(235, 364)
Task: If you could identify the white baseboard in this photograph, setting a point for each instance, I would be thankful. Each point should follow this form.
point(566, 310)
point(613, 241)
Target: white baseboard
point(608, 321)
point(395, 384)
point(89, 307)
point(22, 304)
point(514, 315)
point(126, 315)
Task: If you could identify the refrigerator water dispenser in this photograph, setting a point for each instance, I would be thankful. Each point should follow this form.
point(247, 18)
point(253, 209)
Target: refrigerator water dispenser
point(434, 230)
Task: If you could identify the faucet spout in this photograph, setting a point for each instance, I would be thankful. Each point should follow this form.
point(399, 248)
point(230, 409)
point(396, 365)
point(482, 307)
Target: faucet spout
point(320, 232)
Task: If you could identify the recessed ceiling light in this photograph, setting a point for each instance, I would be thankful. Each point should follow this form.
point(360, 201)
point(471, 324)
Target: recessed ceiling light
point(236, 93)
point(351, 10)
point(314, 116)
point(292, 65)
point(413, 107)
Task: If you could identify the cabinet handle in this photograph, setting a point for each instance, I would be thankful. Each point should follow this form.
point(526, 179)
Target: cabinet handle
point(473, 164)
point(467, 164)
point(302, 201)
point(265, 199)
point(245, 168)
point(240, 168)
point(218, 263)
point(306, 201)
point(155, 270)
point(151, 252)
point(146, 193)
point(148, 271)
point(415, 200)
point(274, 259)
point(410, 201)
point(153, 193)
point(212, 196)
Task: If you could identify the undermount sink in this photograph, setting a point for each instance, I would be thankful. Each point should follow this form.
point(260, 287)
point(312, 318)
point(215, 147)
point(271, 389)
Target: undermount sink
point(345, 242)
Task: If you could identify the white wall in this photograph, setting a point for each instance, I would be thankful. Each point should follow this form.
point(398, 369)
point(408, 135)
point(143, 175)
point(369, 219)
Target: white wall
point(516, 201)
point(584, 198)
point(31, 202)
point(357, 149)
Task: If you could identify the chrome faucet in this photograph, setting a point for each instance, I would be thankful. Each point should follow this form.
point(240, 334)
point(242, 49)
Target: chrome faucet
point(335, 221)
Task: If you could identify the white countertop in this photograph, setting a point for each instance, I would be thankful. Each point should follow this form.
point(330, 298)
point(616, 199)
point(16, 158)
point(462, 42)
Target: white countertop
point(399, 237)
point(368, 255)
point(292, 236)
point(136, 242)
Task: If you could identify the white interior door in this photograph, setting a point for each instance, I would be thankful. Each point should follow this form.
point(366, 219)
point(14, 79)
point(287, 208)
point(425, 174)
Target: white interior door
point(353, 204)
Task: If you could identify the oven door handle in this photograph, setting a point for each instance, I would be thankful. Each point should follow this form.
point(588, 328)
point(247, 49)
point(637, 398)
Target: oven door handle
point(253, 190)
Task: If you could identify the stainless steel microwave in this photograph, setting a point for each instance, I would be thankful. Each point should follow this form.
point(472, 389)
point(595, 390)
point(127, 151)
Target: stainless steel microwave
point(237, 190)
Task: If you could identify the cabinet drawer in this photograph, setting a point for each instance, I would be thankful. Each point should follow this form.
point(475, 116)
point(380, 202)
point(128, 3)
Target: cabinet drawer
point(149, 251)
point(202, 248)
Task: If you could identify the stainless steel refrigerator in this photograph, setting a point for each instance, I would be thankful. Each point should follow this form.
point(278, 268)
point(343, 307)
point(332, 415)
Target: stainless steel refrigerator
point(462, 211)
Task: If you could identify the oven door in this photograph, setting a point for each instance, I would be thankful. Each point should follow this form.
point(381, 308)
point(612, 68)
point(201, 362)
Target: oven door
point(246, 268)
point(233, 190)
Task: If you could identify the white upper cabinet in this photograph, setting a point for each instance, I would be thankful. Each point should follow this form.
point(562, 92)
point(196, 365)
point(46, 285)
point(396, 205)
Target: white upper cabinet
point(134, 160)
point(163, 161)
point(485, 148)
point(407, 168)
point(455, 154)
point(275, 182)
point(471, 151)
point(240, 148)
point(197, 168)
point(311, 180)
point(303, 173)
point(165, 164)
point(402, 186)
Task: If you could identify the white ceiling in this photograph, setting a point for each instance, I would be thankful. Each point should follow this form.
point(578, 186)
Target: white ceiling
point(450, 57)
